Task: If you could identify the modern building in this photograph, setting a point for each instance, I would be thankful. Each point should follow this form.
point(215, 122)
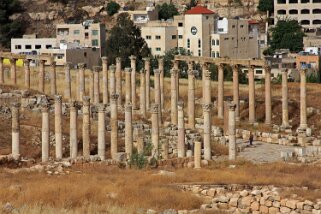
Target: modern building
point(142, 16)
point(87, 34)
point(306, 60)
point(202, 33)
point(307, 12)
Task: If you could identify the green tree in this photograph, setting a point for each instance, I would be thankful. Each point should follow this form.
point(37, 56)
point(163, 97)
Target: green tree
point(166, 11)
point(191, 4)
point(266, 5)
point(10, 28)
point(168, 64)
point(112, 8)
point(125, 40)
point(287, 34)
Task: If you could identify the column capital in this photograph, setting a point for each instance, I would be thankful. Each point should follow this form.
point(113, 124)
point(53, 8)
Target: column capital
point(15, 105)
point(118, 60)
point(12, 60)
point(154, 108)
point(101, 107)
point(174, 72)
point(132, 57)
point(180, 106)
point(142, 71)
point(53, 63)
point(235, 67)
point(114, 97)
point(42, 61)
point(104, 59)
point(128, 107)
point(207, 75)
point(231, 106)
point(157, 71)
point(86, 100)
point(267, 68)
point(303, 71)
point(25, 61)
point(81, 65)
point(220, 66)
point(45, 107)
point(204, 65)
point(68, 65)
point(191, 72)
point(112, 68)
point(285, 70)
point(128, 70)
point(252, 67)
point(146, 59)
point(96, 68)
point(74, 105)
point(207, 107)
point(160, 60)
point(58, 98)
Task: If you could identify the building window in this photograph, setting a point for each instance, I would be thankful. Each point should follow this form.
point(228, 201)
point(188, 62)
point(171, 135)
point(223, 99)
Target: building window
point(259, 71)
point(148, 37)
point(158, 37)
point(213, 42)
point(281, 2)
point(60, 56)
point(293, 1)
point(180, 24)
point(48, 46)
point(316, 22)
point(217, 54)
point(76, 32)
point(220, 29)
point(316, 1)
point(206, 17)
point(305, 22)
point(173, 36)
point(316, 11)
point(17, 47)
point(217, 42)
point(293, 12)
point(305, 11)
point(94, 42)
point(28, 47)
point(94, 32)
point(199, 53)
point(225, 38)
point(241, 26)
point(233, 26)
point(188, 43)
point(37, 46)
point(199, 43)
point(305, 1)
point(86, 35)
point(180, 36)
point(213, 54)
point(158, 49)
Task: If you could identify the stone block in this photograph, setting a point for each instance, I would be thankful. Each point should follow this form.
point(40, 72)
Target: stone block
point(285, 210)
point(274, 210)
point(255, 206)
point(264, 209)
point(291, 204)
point(233, 202)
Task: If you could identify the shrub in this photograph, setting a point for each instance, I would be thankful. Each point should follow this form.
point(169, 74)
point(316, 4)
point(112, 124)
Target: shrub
point(112, 8)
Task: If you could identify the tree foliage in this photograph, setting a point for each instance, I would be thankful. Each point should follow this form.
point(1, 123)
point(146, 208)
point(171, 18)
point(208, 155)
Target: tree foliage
point(112, 8)
point(168, 64)
point(287, 34)
point(191, 4)
point(166, 11)
point(125, 40)
point(10, 28)
point(59, 1)
point(266, 5)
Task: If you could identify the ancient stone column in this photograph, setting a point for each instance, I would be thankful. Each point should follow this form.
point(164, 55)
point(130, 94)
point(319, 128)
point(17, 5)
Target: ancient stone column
point(128, 87)
point(42, 76)
point(220, 92)
point(92, 85)
point(191, 96)
point(157, 93)
point(15, 131)
point(128, 130)
point(86, 127)
point(207, 130)
point(133, 67)
point(58, 126)
point(112, 79)
point(251, 95)
point(101, 131)
point(118, 80)
point(81, 85)
point(73, 130)
point(197, 155)
point(155, 129)
point(140, 140)
point(207, 86)
point(268, 99)
point(161, 71)
point(53, 85)
point(97, 69)
point(1, 71)
point(231, 132)
point(114, 125)
point(236, 99)
point(26, 63)
point(285, 111)
point(173, 97)
point(164, 143)
point(105, 79)
point(68, 81)
point(13, 71)
point(142, 96)
point(181, 131)
point(176, 67)
point(303, 100)
point(45, 133)
point(147, 73)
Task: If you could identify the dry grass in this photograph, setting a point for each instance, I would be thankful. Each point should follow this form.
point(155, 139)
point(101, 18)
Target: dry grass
point(99, 188)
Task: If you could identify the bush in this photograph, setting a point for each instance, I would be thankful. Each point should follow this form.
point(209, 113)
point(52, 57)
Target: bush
point(112, 8)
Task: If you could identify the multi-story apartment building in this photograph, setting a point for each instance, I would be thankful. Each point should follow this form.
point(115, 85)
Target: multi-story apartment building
point(307, 12)
point(202, 33)
point(87, 34)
